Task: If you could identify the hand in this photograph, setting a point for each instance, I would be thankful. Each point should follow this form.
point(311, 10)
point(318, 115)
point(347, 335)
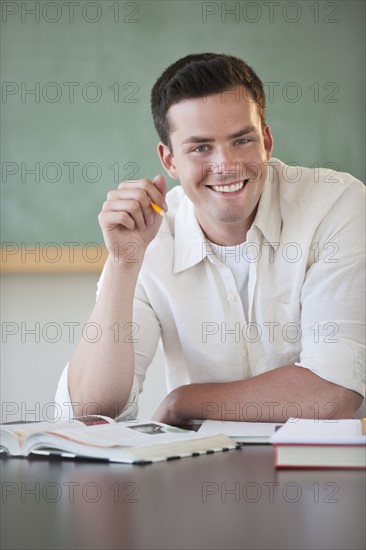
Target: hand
point(171, 409)
point(127, 220)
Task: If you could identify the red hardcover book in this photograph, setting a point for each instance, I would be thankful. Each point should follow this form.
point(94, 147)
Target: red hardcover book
point(306, 443)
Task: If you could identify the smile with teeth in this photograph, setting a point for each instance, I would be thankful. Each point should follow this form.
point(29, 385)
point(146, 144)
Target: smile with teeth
point(233, 188)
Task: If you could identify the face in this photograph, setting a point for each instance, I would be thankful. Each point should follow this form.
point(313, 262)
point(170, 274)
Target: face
point(219, 154)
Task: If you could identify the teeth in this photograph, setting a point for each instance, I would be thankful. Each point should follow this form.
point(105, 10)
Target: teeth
point(228, 188)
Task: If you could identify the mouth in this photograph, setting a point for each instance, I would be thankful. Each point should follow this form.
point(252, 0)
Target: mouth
point(230, 188)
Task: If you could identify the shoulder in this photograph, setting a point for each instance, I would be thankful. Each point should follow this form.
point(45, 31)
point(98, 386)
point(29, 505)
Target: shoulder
point(320, 186)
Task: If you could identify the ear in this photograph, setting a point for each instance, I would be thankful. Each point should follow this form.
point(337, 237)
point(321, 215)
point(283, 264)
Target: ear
point(268, 141)
point(167, 160)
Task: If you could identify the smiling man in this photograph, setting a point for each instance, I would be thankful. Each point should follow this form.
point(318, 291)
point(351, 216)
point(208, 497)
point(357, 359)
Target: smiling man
point(253, 280)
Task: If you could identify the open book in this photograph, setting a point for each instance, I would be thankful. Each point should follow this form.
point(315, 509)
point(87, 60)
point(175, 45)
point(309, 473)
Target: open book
point(101, 438)
point(306, 443)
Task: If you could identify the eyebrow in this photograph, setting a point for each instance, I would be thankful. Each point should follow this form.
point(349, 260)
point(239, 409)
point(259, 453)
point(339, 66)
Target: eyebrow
point(242, 132)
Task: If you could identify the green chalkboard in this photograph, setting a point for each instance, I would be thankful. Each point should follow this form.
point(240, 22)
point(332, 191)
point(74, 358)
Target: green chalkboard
point(76, 81)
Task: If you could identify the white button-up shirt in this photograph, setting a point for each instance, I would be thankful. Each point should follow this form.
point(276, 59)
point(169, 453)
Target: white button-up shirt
point(305, 289)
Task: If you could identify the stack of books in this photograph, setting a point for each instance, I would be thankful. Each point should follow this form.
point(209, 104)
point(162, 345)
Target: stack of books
point(305, 443)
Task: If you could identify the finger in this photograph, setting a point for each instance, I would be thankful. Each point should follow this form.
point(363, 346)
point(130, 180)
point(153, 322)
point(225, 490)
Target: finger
point(112, 220)
point(116, 197)
point(138, 194)
point(147, 193)
point(131, 207)
point(151, 189)
point(160, 183)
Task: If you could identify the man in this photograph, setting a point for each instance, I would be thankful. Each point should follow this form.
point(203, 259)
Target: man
point(253, 280)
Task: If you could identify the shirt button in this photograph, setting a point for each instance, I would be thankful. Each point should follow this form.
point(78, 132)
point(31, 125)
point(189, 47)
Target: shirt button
point(230, 298)
point(244, 353)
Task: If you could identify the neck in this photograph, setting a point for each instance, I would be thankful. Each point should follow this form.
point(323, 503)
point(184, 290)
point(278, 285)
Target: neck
point(228, 234)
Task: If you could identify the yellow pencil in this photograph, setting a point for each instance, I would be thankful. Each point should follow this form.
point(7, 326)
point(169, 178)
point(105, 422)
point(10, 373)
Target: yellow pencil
point(157, 209)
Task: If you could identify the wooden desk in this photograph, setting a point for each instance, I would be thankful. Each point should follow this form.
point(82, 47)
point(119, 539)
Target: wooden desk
point(227, 500)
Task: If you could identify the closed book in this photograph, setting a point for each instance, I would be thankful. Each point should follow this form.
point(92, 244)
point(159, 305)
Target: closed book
point(245, 433)
point(307, 443)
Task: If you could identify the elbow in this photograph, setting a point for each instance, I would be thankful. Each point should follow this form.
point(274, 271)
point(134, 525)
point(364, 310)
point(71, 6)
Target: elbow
point(347, 403)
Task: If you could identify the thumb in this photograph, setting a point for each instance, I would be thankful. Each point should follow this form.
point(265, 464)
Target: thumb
point(160, 183)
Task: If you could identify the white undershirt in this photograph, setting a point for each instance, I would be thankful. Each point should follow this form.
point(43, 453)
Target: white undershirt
point(236, 259)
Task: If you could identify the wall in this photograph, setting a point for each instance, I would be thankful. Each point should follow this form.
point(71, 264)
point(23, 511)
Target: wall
point(43, 318)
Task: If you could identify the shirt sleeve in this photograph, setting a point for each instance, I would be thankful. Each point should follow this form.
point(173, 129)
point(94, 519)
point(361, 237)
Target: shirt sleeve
point(144, 333)
point(333, 296)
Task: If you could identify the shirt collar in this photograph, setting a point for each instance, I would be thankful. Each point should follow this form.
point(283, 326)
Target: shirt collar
point(190, 242)
point(191, 245)
point(268, 218)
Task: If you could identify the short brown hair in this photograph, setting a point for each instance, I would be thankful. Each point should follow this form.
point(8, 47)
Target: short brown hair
point(200, 75)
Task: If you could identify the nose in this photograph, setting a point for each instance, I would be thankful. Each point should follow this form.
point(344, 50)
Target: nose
point(228, 167)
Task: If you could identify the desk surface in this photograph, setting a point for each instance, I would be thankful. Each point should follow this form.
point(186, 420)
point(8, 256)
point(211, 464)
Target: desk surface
point(227, 500)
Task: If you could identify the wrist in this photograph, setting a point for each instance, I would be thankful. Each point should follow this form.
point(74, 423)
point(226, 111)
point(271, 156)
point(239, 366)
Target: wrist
point(132, 261)
point(121, 275)
point(178, 405)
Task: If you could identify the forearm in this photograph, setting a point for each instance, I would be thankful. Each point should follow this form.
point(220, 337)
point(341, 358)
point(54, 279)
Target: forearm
point(273, 396)
point(101, 371)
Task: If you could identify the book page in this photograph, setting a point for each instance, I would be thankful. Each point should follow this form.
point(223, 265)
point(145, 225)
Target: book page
point(124, 434)
point(22, 430)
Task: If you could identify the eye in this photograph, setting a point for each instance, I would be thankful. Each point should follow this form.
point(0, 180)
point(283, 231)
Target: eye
point(242, 141)
point(201, 149)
